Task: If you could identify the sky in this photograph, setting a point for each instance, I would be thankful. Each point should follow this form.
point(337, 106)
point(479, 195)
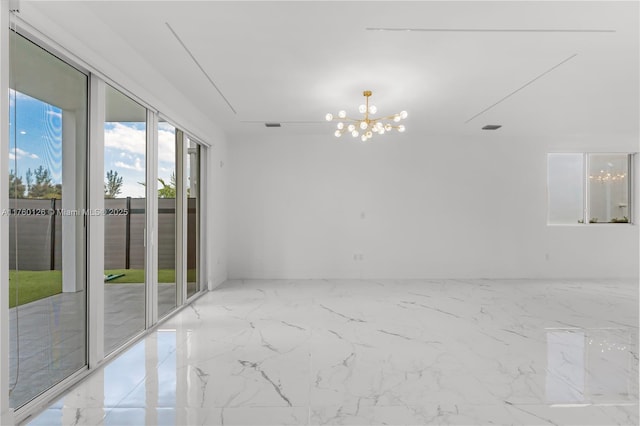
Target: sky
point(37, 128)
point(36, 139)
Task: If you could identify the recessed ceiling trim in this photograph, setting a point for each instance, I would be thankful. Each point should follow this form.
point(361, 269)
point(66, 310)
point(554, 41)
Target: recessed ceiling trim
point(522, 87)
point(281, 122)
point(184, 46)
point(492, 30)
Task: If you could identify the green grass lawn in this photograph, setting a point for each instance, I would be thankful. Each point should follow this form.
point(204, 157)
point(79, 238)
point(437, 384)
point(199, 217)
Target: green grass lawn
point(36, 285)
point(33, 285)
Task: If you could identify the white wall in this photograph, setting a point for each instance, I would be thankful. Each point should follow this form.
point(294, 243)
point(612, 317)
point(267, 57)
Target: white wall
point(217, 213)
point(414, 207)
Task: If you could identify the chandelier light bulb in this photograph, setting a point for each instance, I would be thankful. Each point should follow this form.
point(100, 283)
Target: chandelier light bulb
point(368, 125)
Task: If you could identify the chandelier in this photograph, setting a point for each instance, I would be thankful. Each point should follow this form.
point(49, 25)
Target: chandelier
point(365, 127)
point(607, 176)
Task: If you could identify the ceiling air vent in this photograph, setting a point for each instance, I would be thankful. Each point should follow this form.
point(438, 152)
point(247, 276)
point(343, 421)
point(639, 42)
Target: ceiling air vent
point(491, 127)
point(272, 125)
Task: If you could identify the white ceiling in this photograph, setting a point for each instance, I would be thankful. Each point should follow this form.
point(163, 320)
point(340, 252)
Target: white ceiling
point(294, 61)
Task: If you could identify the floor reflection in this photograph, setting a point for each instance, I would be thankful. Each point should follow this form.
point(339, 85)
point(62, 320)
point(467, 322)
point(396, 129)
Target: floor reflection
point(364, 352)
point(143, 376)
point(590, 366)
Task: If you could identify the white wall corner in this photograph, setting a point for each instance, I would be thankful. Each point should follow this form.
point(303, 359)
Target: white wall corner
point(218, 282)
point(217, 210)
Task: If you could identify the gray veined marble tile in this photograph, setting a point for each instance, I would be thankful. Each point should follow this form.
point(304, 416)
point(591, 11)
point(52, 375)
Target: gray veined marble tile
point(460, 352)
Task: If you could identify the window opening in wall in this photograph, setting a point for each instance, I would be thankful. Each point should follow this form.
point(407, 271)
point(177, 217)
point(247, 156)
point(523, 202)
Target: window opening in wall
point(565, 177)
point(588, 188)
point(608, 188)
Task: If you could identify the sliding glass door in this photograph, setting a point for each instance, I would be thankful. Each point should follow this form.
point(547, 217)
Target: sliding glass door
point(167, 219)
point(148, 174)
point(179, 222)
point(125, 147)
point(47, 262)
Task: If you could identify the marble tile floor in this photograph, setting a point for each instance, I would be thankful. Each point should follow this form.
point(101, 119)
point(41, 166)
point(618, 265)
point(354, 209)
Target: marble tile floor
point(460, 352)
point(51, 334)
